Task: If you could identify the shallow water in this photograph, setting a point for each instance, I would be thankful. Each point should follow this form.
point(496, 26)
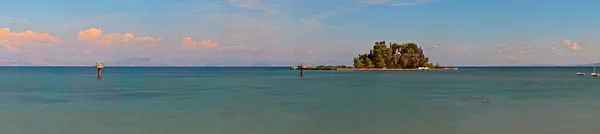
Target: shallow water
point(70, 100)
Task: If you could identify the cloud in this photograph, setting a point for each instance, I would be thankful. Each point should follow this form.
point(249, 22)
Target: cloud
point(575, 47)
point(238, 47)
point(95, 36)
point(435, 46)
point(572, 45)
point(392, 3)
point(513, 58)
point(189, 43)
point(12, 41)
point(552, 50)
point(209, 43)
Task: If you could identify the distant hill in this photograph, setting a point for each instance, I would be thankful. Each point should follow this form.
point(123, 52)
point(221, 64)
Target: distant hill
point(590, 64)
point(134, 61)
point(541, 65)
point(14, 63)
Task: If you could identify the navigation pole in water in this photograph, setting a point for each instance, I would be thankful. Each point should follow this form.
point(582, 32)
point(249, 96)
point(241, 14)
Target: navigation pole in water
point(99, 66)
point(301, 66)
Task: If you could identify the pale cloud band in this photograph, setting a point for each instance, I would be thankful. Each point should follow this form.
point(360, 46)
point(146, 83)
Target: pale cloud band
point(12, 41)
point(189, 43)
point(95, 36)
point(518, 52)
point(572, 45)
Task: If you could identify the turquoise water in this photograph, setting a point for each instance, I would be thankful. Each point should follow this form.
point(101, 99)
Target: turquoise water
point(70, 100)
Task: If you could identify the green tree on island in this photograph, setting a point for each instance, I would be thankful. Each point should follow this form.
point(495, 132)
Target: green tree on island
point(358, 63)
point(368, 63)
point(407, 55)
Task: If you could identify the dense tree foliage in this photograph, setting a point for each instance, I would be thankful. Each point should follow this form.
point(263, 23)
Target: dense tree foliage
point(358, 63)
point(407, 55)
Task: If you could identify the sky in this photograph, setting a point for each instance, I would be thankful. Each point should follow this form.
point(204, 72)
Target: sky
point(289, 32)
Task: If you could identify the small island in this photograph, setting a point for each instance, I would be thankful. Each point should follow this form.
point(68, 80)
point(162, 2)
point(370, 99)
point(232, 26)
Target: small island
point(407, 56)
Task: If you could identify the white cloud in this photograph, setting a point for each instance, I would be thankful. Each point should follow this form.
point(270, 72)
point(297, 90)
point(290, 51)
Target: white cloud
point(12, 40)
point(189, 43)
point(96, 36)
point(573, 46)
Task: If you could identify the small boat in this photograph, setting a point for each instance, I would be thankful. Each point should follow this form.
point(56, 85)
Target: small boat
point(580, 73)
point(594, 74)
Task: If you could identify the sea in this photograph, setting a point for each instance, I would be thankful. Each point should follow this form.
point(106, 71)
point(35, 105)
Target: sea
point(276, 100)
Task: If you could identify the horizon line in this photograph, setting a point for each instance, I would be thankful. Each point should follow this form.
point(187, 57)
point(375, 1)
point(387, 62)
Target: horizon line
point(274, 66)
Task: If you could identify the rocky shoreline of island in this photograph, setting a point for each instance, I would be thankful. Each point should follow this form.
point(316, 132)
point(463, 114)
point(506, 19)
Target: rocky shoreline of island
point(393, 69)
point(365, 69)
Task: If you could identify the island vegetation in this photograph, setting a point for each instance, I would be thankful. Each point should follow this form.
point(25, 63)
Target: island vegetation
point(407, 56)
point(396, 56)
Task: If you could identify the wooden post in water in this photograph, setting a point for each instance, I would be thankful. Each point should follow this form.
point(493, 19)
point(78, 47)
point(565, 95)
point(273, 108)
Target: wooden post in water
point(99, 66)
point(301, 71)
point(302, 67)
point(99, 73)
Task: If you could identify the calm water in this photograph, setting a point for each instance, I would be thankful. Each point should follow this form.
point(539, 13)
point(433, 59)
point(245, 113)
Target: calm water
point(61, 100)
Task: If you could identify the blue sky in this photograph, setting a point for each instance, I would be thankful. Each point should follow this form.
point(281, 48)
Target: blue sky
point(286, 32)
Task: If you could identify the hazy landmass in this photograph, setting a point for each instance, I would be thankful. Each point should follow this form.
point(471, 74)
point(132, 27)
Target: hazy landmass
point(134, 61)
point(14, 63)
point(590, 64)
point(541, 65)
